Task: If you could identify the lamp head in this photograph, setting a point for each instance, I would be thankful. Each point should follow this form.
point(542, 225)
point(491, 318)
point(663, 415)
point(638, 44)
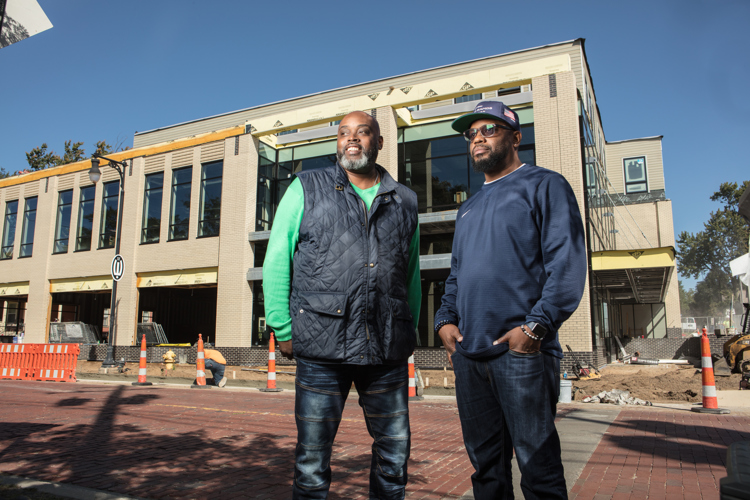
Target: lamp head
point(94, 173)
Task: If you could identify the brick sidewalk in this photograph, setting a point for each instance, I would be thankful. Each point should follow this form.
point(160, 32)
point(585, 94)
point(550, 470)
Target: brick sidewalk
point(165, 442)
point(180, 443)
point(661, 454)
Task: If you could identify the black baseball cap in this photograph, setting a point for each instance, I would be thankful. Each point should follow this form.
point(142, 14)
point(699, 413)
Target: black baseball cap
point(485, 110)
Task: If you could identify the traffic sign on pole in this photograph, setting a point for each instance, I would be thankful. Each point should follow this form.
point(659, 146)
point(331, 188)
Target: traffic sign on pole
point(118, 267)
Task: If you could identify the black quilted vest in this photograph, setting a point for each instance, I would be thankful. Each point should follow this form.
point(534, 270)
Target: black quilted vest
point(348, 300)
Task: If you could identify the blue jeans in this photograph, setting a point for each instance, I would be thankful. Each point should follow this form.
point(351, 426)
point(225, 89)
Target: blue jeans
point(505, 403)
point(321, 391)
point(217, 369)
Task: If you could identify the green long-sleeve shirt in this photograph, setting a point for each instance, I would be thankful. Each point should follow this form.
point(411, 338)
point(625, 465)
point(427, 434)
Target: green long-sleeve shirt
point(277, 267)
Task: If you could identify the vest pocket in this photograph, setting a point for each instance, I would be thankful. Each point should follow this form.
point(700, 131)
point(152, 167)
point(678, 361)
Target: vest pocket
point(318, 325)
point(400, 334)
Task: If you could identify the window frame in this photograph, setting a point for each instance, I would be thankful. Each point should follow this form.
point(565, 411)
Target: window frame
point(202, 220)
point(173, 187)
point(9, 231)
point(627, 184)
point(29, 220)
point(58, 222)
point(79, 225)
point(104, 229)
point(148, 192)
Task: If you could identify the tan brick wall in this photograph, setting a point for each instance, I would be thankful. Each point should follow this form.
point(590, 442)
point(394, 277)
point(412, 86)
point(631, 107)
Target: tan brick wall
point(388, 156)
point(558, 148)
point(234, 296)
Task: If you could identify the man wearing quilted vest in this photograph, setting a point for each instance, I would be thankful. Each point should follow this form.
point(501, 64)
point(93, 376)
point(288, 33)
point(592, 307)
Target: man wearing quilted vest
point(342, 294)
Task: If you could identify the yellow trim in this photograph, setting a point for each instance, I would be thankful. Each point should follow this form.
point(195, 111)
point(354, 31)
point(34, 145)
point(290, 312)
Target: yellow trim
point(12, 289)
point(633, 259)
point(164, 147)
point(90, 284)
point(480, 81)
point(183, 277)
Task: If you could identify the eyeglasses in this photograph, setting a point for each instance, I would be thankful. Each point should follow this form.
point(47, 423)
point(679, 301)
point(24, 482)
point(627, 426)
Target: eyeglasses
point(486, 130)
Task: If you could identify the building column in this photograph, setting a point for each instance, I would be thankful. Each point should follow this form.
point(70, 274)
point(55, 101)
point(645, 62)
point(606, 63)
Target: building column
point(234, 301)
point(388, 156)
point(558, 148)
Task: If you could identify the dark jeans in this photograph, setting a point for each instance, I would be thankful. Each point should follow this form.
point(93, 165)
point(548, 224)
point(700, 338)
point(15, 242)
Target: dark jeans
point(320, 397)
point(510, 402)
point(217, 369)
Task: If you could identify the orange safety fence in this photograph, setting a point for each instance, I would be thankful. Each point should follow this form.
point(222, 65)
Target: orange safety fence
point(55, 362)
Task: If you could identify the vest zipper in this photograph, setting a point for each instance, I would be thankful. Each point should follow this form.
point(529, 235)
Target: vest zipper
point(367, 294)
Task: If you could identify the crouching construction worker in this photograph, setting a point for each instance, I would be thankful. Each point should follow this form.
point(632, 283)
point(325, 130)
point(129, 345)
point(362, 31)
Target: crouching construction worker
point(216, 363)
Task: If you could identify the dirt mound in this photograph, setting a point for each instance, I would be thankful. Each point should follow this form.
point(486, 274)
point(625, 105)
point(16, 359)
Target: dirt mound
point(658, 384)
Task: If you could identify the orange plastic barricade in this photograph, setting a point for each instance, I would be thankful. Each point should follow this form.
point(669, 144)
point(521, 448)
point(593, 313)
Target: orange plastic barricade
point(58, 362)
point(15, 361)
point(39, 361)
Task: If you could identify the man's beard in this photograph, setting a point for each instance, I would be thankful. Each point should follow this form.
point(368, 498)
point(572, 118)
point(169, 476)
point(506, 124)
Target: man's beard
point(358, 166)
point(497, 160)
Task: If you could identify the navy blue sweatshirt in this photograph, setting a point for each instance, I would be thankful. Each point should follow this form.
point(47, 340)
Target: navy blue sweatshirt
point(519, 255)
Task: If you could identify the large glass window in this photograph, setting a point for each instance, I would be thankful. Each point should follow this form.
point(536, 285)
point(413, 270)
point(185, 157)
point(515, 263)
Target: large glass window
point(9, 229)
point(108, 226)
point(210, 207)
point(635, 175)
point(85, 218)
point(276, 170)
point(434, 162)
point(27, 231)
point(152, 197)
point(62, 226)
point(179, 218)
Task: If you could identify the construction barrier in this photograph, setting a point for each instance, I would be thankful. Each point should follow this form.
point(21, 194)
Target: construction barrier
point(412, 381)
point(46, 362)
point(271, 383)
point(142, 365)
point(710, 401)
point(200, 362)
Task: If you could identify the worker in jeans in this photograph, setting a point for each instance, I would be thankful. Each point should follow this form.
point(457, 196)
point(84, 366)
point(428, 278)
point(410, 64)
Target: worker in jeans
point(216, 363)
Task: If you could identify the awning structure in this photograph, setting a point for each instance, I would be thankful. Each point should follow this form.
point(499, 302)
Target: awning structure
point(635, 276)
point(14, 289)
point(193, 278)
point(90, 284)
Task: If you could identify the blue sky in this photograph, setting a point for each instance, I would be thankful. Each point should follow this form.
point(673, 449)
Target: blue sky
point(107, 69)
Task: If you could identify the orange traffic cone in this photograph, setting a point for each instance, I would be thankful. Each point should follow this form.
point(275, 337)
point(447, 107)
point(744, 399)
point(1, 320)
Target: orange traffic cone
point(710, 402)
point(142, 365)
point(200, 378)
point(412, 381)
point(271, 384)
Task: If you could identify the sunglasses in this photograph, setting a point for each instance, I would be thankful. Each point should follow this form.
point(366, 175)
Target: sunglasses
point(488, 130)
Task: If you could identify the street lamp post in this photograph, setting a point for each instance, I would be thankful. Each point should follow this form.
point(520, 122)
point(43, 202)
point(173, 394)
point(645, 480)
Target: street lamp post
point(95, 174)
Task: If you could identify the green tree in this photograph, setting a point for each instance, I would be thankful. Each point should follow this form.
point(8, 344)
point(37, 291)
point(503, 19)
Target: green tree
point(73, 152)
point(706, 254)
point(39, 159)
point(686, 300)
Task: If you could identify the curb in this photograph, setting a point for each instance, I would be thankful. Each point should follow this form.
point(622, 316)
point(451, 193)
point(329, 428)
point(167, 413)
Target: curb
point(63, 490)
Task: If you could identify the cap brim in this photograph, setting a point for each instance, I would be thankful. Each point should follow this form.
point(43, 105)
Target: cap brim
point(462, 123)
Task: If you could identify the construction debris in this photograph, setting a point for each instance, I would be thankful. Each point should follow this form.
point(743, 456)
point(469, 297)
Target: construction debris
point(617, 397)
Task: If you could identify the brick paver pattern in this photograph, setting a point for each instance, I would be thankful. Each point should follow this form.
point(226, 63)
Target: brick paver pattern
point(182, 443)
point(659, 454)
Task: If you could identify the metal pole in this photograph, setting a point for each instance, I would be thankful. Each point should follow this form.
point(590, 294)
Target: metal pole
point(109, 361)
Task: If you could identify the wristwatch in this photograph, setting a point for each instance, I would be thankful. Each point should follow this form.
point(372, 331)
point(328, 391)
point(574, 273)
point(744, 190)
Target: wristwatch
point(536, 329)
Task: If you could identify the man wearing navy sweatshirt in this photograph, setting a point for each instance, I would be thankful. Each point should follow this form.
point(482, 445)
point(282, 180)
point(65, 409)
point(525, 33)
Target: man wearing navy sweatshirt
point(518, 269)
